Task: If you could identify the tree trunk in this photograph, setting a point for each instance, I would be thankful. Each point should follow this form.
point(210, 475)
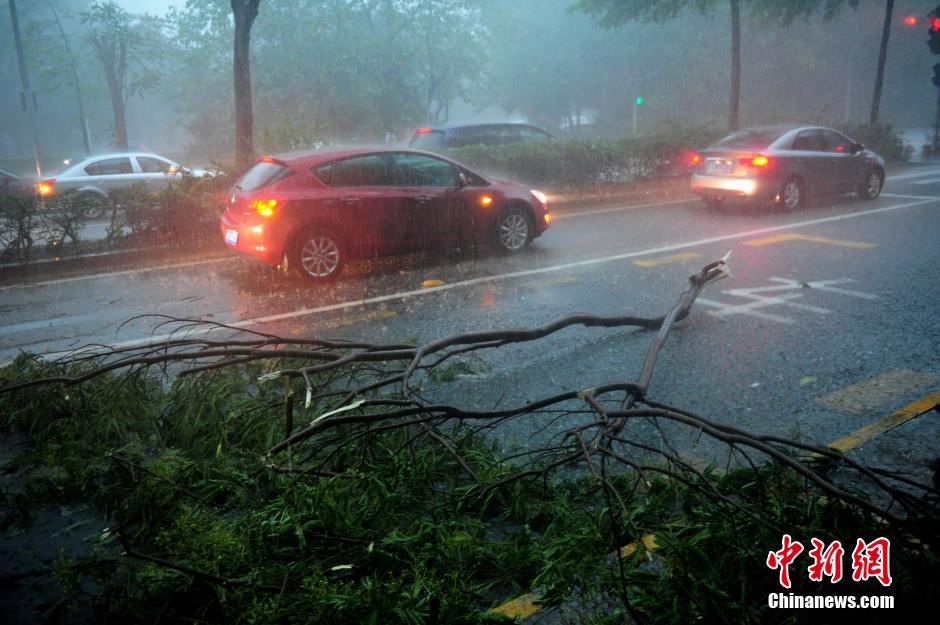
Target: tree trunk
point(114, 77)
point(882, 58)
point(733, 114)
point(244, 12)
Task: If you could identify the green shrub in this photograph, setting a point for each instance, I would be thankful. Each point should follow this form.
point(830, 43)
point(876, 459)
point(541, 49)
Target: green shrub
point(883, 139)
point(587, 161)
point(186, 211)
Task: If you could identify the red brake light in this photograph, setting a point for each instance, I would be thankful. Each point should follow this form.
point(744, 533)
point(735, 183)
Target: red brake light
point(45, 187)
point(265, 207)
point(423, 131)
point(266, 159)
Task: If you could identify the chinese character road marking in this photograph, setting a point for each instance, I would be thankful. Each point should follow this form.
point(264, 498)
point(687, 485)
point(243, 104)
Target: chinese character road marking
point(782, 299)
point(795, 236)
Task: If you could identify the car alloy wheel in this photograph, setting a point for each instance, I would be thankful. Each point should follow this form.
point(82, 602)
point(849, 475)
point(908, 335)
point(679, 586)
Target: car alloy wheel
point(320, 256)
point(513, 231)
point(792, 195)
point(872, 187)
point(92, 206)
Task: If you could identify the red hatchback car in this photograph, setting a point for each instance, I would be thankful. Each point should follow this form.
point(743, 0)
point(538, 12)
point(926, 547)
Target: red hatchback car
point(314, 211)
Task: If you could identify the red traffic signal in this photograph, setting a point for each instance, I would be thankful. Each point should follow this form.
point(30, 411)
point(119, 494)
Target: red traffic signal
point(910, 20)
point(935, 24)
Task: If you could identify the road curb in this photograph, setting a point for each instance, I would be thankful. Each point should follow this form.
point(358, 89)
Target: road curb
point(112, 260)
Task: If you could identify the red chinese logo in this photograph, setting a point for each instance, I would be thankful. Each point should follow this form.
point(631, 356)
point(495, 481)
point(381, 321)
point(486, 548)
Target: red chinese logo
point(783, 558)
point(826, 562)
point(872, 560)
point(869, 560)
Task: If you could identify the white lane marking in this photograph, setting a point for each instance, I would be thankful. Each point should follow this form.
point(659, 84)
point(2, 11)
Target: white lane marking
point(505, 276)
point(911, 197)
point(915, 174)
point(111, 274)
point(928, 181)
point(616, 209)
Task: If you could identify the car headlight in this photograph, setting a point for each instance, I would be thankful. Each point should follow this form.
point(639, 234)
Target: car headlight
point(540, 196)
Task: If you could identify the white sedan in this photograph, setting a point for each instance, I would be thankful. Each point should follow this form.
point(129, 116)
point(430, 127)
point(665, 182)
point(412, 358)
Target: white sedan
point(96, 176)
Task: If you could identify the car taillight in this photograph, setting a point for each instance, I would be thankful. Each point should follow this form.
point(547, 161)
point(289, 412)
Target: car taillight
point(264, 207)
point(423, 131)
point(756, 161)
point(695, 159)
point(45, 187)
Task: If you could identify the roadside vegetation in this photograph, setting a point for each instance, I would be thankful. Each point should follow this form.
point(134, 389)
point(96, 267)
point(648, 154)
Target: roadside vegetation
point(255, 479)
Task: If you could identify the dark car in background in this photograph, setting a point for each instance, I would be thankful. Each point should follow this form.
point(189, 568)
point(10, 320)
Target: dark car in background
point(785, 165)
point(12, 185)
point(451, 136)
point(313, 211)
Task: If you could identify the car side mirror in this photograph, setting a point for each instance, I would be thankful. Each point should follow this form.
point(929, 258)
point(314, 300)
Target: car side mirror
point(462, 180)
point(858, 147)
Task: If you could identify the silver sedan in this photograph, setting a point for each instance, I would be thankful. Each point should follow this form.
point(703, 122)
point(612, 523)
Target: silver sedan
point(786, 164)
point(95, 176)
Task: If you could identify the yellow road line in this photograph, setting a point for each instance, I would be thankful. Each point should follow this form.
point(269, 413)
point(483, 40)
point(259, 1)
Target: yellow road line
point(795, 236)
point(349, 320)
point(896, 418)
point(524, 606)
point(662, 260)
point(863, 397)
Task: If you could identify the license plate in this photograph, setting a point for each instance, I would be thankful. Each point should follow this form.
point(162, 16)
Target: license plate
point(231, 236)
point(719, 166)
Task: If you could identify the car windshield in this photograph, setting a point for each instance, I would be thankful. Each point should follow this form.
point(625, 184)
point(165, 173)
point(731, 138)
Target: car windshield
point(427, 140)
point(262, 174)
point(750, 139)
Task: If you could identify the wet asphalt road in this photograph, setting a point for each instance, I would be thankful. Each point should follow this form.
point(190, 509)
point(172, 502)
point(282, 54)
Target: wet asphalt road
point(829, 322)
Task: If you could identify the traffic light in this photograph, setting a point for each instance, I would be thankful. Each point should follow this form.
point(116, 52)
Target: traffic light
point(639, 100)
point(936, 75)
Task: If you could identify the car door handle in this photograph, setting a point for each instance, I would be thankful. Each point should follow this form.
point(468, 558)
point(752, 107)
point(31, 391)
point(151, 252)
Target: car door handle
point(423, 199)
point(350, 200)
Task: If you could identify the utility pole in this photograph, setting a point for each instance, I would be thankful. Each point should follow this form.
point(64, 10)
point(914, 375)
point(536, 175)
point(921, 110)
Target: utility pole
point(882, 58)
point(26, 94)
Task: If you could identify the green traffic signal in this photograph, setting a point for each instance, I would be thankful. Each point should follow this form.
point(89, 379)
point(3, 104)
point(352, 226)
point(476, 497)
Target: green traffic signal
point(639, 100)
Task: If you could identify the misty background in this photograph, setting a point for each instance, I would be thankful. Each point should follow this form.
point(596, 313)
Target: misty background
point(373, 70)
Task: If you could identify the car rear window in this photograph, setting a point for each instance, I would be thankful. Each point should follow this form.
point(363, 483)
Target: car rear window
point(428, 140)
point(750, 139)
point(261, 175)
